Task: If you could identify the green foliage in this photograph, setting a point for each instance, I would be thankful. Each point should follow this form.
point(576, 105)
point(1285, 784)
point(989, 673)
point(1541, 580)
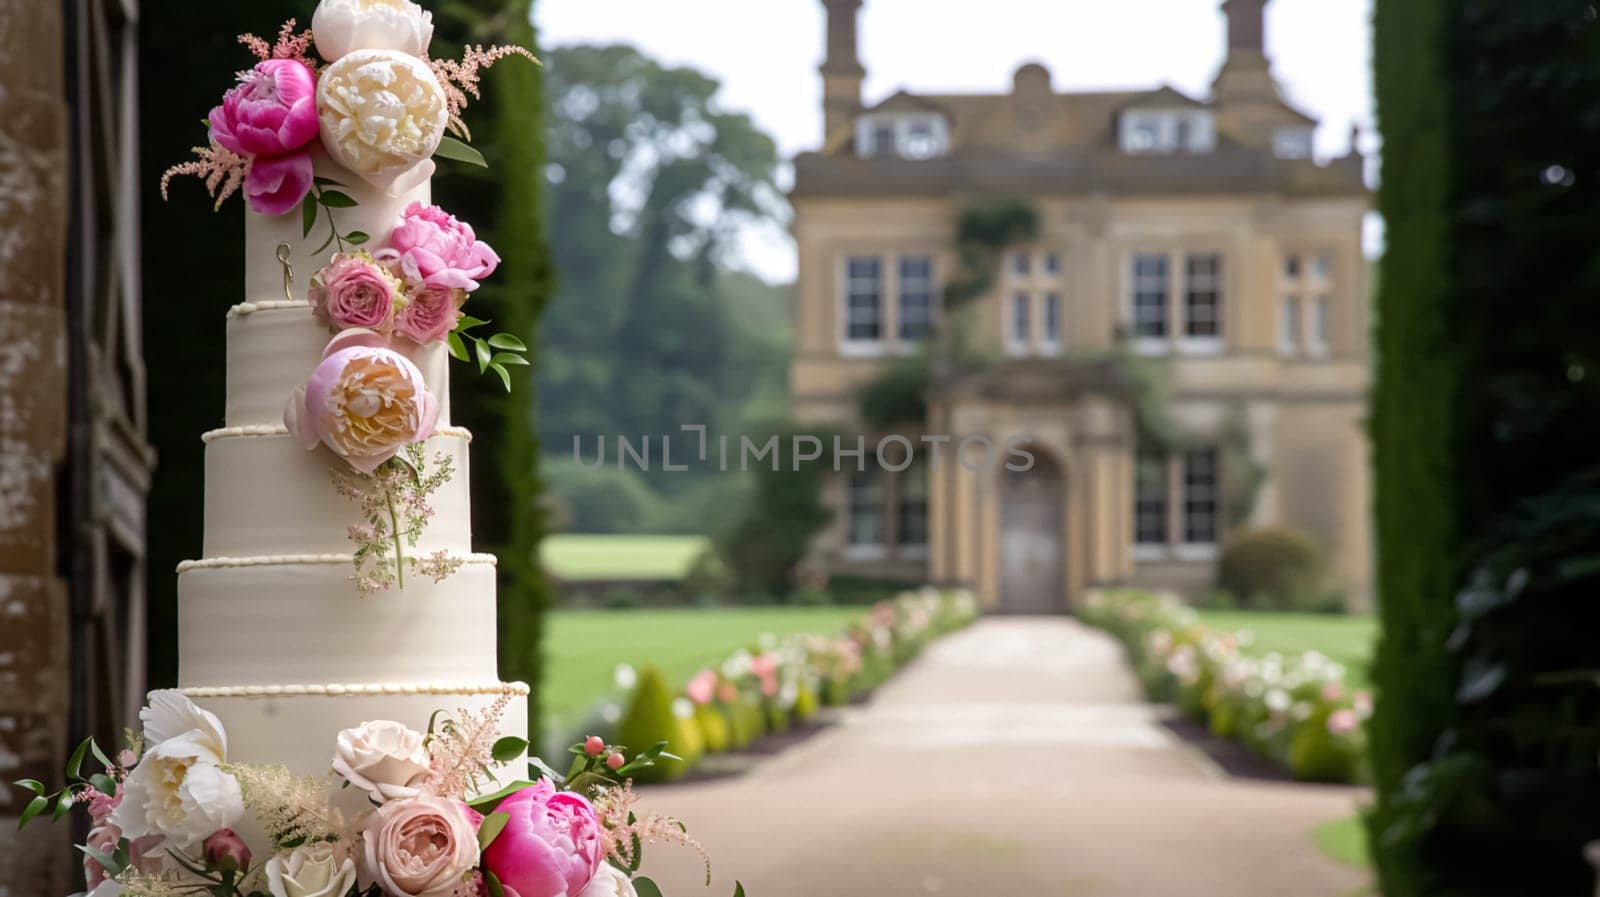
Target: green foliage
point(769, 541)
point(1485, 409)
point(898, 394)
point(986, 228)
point(649, 720)
point(1274, 567)
point(602, 499)
point(504, 204)
point(708, 577)
point(714, 729)
point(806, 703)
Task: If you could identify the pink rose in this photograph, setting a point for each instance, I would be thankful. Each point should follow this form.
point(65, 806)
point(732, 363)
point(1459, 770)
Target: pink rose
point(551, 845)
point(765, 666)
point(702, 687)
point(434, 249)
point(1343, 722)
point(430, 315)
point(418, 847)
point(277, 185)
point(273, 111)
point(226, 850)
point(364, 401)
point(353, 291)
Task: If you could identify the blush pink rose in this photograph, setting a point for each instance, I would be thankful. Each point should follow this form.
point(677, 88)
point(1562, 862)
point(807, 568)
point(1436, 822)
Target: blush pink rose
point(418, 847)
point(551, 845)
point(273, 110)
point(365, 401)
point(276, 185)
point(353, 291)
point(434, 249)
point(702, 687)
point(430, 315)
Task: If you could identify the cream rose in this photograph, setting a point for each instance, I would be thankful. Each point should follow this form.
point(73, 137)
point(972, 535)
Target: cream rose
point(383, 758)
point(179, 789)
point(342, 26)
point(310, 870)
point(418, 847)
point(382, 114)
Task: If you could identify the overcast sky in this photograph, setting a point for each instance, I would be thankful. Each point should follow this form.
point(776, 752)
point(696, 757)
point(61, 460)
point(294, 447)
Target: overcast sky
point(766, 52)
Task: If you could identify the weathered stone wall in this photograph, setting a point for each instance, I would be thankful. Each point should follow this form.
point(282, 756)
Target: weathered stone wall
point(33, 420)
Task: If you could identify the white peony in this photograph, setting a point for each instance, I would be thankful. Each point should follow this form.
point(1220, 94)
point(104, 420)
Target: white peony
point(179, 789)
point(310, 870)
point(608, 882)
point(343, 26)
point(382, 115)
point(383, 758)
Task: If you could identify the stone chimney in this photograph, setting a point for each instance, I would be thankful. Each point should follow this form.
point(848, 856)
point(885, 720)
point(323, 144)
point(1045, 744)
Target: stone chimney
point(1249, 106)
point(842, 73)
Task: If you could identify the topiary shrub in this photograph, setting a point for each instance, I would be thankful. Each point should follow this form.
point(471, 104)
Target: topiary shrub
point(1273, 568)
point(714, 729)
point(650, 720)
point(806, 703)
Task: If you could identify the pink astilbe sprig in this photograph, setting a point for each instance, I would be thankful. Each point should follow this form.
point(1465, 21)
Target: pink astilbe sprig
point(224, 172)
point(289, 46)
point(626, 830)
point(460, 79)
point(461, 753)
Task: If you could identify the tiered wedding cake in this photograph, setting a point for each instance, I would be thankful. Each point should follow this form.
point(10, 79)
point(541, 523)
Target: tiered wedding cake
point(273, 637)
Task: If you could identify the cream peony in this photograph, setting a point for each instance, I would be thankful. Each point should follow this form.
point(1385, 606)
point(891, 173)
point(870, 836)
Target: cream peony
point(179, 789)
point(608, 882)
point(310, 870)
point(383, 114)
point(342, 26)
point(383, 758)
point(365, 401)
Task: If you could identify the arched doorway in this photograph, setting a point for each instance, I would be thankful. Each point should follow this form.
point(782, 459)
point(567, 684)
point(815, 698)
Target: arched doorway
point(1032, 515)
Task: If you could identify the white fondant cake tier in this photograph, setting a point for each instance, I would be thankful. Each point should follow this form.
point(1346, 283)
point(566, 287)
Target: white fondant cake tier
point(273, 621)
point(274, 346)
point(267, 495)
point(300, 731)
point(375, 214)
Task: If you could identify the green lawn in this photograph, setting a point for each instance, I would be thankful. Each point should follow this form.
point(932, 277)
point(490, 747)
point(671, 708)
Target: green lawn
point(584, 557)
point(1349, 640)
point(583, 648)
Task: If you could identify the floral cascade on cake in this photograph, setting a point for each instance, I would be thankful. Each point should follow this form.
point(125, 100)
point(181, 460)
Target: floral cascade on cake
point(339, 728)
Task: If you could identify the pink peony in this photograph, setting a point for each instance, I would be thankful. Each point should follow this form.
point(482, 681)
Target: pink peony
point(353, 291)
point(430, 315)
point(364, 401)
point(272, 112)
point(418, 847)
point(226, 850)
point(702, 687)
point(436, 250)
point(551, 845)
point(277, 185)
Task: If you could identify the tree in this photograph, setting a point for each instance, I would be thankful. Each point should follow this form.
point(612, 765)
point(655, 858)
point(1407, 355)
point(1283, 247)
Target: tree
point(1487, 727)
point(649, 183)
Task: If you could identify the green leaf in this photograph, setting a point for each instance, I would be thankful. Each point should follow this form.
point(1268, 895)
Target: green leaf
point(458, 349)
point(75, 762)
point(100, 755)
point(508, 341)
point(510, 358)
point(467, 322)
point(103, 784)
point(357, 237)
point(484, 355)
point(335, 199)
point(321, 181)
point(493, 884)
point(646, 887)
point(108, 863)
point(490, 828)
point(63, 804)
point(738, 889)
point(508, 748)
point(451, 148)
point(34, 808)
point(308, 215)
point(505, 376)
point(34, 785)
point(489, 800)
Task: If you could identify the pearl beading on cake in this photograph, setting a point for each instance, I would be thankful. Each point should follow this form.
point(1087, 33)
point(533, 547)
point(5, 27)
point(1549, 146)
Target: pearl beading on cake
point(270, 560)
point(258, 431)
point(337, 690)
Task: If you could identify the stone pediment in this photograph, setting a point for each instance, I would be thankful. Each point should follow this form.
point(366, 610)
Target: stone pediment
point(1037, 380)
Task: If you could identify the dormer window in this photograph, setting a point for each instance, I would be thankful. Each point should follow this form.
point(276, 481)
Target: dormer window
point(902, 136)
point(1292, 143)
point(1147, 131)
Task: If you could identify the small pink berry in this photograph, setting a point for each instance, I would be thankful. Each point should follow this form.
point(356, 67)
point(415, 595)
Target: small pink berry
point(615, 761)
point(594, 746)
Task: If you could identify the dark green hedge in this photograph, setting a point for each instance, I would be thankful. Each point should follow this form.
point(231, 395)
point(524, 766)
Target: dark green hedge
point(1486, 736)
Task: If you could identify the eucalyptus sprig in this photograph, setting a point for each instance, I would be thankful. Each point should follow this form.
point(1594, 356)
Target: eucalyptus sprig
point(324, 196)
point(494, 353)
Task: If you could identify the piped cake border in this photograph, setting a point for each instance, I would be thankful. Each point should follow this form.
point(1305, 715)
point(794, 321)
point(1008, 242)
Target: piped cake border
point(345, 690)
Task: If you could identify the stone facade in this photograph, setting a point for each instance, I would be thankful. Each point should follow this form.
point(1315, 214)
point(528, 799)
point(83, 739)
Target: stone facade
point(1197, 237)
